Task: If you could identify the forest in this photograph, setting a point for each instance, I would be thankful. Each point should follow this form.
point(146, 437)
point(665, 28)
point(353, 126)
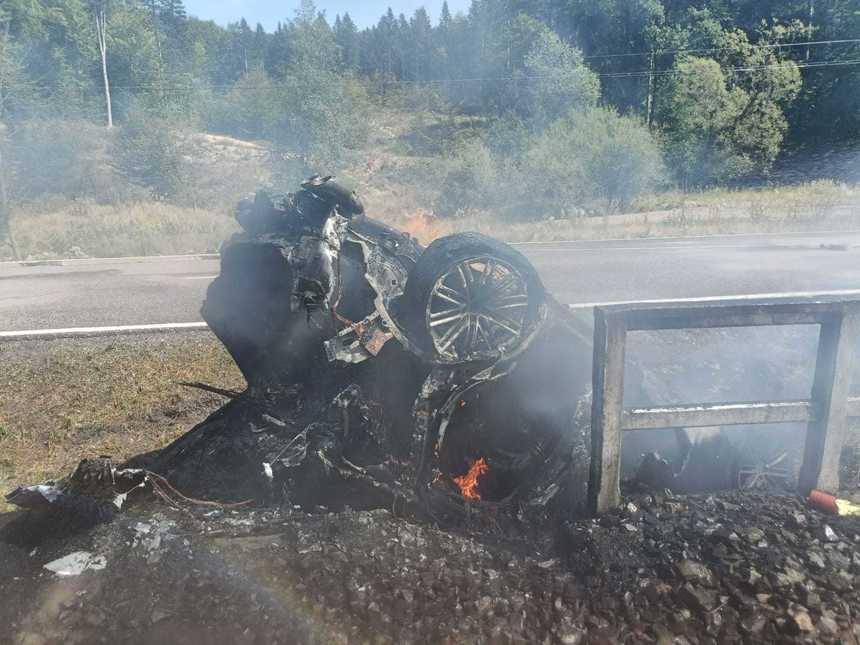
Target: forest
point(528, 109)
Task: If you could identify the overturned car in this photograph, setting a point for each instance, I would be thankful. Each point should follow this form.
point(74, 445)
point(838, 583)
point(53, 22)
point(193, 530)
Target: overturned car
point(449, 346)
point(379, 373)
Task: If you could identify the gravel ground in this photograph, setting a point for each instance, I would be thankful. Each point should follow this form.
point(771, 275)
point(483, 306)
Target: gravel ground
point(664, 569)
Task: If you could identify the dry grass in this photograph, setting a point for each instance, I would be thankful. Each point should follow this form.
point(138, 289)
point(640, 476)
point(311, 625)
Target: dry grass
point(142, 228)
point(156, 228)
point(812, 207)
point(816, 195)
point(64, 400)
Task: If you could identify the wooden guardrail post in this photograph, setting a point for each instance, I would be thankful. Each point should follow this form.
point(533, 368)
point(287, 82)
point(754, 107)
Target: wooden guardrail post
point(607, 407)
point(825, 434)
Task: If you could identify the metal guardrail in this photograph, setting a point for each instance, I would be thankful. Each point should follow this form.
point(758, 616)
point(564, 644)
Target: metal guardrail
point(825, 412)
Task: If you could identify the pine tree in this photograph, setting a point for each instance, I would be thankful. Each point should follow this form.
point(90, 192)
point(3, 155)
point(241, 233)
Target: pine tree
point(445, 16)
point(420, 52)
point(346, 37)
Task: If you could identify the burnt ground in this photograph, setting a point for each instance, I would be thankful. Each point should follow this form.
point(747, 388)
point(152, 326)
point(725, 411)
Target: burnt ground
point(734, 567)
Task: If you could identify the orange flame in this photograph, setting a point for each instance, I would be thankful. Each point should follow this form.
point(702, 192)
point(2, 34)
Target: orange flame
point(468, 483)
point(424, 226)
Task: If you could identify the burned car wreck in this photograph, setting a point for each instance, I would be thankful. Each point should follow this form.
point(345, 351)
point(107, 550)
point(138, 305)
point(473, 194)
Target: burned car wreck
point(380, 373)
point(395, 363)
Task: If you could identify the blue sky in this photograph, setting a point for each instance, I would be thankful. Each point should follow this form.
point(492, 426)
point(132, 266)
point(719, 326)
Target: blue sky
point(269, 12)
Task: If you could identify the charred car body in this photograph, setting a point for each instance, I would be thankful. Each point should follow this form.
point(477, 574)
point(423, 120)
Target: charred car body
point(313, 289)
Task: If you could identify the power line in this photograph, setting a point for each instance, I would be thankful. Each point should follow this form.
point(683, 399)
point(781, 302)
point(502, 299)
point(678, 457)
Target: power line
point(631, 74)
point(753, 68)
point(661, 52)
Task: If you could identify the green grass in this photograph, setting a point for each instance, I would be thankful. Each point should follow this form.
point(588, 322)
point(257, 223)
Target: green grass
point(65, 400)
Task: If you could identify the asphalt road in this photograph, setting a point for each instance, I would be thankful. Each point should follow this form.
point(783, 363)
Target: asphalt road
point(128, 291)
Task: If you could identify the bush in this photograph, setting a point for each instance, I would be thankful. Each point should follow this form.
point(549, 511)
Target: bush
point(719, 128)
point(149, 153)
point(312, 113)
point(559, 81)
point(324, 116)
point(469, 181)
point(250, 110)
point(586, 157)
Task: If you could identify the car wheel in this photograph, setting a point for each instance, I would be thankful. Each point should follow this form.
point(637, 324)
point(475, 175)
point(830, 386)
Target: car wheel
point(472, 298)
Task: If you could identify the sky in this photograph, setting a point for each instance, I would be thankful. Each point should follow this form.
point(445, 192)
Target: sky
point(268, 12)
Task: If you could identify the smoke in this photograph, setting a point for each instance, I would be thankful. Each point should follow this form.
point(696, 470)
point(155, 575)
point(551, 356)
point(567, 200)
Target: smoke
point(714, 366)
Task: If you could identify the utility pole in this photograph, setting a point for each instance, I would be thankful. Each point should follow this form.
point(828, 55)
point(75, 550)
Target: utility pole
point(650, 100)
point(101, 33)
point(5, 210)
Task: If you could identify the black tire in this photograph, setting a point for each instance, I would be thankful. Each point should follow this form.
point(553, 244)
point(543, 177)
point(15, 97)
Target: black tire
point(510, 283)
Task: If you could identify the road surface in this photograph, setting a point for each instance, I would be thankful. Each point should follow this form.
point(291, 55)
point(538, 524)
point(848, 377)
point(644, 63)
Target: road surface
point(139, 291)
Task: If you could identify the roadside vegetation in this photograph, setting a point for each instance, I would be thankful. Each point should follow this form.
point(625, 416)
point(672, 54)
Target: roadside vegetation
point(116, 397)
point(536, 121)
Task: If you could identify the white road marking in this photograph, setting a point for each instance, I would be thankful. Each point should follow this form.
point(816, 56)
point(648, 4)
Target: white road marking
point(686, 237)
point(199, 277)
point(115, 260)
point(71, 332)
point(744, 296)
point(671, 247)
point(111, 330)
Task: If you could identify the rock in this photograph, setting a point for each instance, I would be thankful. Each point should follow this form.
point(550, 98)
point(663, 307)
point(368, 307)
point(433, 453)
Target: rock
point(816, 560)
point(841, 582)
point(695, 572)
point(828, 626)
point(789, 577)
point(839, 561)
point(802, 621)
point(829, 534)
point(571, 635)
point(754, 535)
point(754, 624)
point(812, 600)
point(679, 621)
point(753, 578)
point(698, 598)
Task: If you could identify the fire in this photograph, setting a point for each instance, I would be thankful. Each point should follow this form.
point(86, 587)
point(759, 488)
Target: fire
point(424, 226)
point(468, 483)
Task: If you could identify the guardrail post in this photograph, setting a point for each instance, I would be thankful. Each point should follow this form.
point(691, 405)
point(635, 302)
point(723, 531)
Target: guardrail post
point(607, 405)
point(825, 434)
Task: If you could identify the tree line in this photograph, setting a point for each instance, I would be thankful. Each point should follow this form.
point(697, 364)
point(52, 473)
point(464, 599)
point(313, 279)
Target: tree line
point(710, 90)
